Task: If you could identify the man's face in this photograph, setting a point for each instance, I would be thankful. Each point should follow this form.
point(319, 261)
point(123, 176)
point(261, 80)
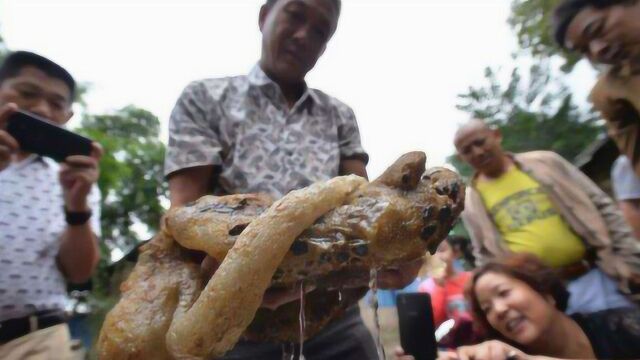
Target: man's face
point(294, 35)
point(35, 91)
point(607, 36)
point(480, 147)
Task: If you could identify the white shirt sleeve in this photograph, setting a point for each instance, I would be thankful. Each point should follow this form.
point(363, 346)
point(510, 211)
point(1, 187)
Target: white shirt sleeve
point(625, 182)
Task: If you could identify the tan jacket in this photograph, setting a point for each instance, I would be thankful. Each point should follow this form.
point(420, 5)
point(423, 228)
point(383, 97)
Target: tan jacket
point(590, 213)
point(617, 97)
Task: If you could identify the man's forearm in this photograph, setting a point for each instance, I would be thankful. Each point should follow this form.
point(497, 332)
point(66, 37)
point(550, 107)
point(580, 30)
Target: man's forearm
point(190, 184)
point(79, 253)
point(353, 166)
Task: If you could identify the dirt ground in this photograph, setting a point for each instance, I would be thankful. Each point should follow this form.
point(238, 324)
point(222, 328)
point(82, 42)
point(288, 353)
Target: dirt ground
point(389, 332)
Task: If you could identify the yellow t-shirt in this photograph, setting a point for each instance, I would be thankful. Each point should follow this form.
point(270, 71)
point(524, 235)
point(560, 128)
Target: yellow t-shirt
point(528, 221)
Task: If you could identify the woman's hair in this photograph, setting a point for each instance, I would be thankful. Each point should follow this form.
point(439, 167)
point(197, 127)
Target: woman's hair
point(463, 245)
point(526, 268)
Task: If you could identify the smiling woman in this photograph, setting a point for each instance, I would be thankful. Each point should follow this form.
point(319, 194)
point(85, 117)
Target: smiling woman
point(519, 300)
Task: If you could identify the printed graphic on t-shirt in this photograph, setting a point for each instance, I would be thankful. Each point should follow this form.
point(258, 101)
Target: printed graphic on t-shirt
point(522, 208)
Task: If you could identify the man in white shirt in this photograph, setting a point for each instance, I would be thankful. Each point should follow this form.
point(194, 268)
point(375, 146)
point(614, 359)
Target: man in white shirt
point(49, 215)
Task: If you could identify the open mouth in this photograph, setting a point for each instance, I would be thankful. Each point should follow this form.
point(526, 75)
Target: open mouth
point(293, 55)
point(483, 161)
point(515, 325)
point(616, 54)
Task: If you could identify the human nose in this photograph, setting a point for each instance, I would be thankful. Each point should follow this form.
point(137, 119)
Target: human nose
point(301, 35)
point(500, 308)
point(476, 151)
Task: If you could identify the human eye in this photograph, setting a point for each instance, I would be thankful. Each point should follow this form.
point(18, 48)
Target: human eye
point(28, 92)
point(320, 32)
point(594, 29)
point(57, 105)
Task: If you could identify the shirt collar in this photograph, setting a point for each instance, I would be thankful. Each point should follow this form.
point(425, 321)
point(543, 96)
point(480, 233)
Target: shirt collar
point(510, 155)
point(257, 77)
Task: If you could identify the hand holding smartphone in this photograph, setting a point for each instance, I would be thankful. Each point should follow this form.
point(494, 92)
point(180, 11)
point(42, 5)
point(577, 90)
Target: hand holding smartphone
point(8, 145)
point(417, 331)
point(40, 136)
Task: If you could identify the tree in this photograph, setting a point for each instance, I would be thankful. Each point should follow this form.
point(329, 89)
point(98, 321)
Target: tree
point(131, 178)
point(532, 113)
point(531, 21)
point(132, 187)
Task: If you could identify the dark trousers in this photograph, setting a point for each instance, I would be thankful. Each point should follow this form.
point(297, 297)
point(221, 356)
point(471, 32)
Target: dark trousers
point(344, 339)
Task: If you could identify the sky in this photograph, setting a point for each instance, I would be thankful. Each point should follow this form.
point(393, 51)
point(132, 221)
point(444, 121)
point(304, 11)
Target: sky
point(400, 64)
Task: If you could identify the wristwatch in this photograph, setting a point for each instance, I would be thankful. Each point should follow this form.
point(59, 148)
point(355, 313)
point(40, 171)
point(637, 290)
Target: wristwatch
point(76, 217)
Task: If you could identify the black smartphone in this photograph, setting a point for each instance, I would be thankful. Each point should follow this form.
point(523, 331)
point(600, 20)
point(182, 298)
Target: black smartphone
point(40, 136)
point(415, 320)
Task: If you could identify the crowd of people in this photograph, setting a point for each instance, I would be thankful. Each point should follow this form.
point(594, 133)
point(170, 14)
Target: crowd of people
point(557, 260)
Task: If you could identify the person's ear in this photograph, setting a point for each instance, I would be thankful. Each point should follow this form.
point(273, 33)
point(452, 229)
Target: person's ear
point(264, 12)
point(324, 47)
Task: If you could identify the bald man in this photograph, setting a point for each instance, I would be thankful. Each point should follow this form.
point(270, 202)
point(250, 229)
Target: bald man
point(537, 202)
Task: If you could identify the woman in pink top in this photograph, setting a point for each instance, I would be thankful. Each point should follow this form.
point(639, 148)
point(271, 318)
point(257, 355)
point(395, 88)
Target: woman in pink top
point(447, 290)
point(447, 294)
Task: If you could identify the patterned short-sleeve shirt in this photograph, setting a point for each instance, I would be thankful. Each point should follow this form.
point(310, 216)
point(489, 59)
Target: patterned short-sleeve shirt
point(243, 125)
point(31, 223)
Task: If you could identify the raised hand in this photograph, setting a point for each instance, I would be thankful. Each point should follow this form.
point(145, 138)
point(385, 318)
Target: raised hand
point(491, 350)
point(8, 145)
point(77, 175)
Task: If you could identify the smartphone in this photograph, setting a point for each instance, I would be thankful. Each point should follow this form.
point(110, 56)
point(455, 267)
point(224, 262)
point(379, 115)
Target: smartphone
point(40, 136)
point(415, 320)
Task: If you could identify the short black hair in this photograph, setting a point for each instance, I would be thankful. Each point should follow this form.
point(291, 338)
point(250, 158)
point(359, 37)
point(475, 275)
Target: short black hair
point(463, 245)
point(17, 60)
point(337, 3)
point(567, 11)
